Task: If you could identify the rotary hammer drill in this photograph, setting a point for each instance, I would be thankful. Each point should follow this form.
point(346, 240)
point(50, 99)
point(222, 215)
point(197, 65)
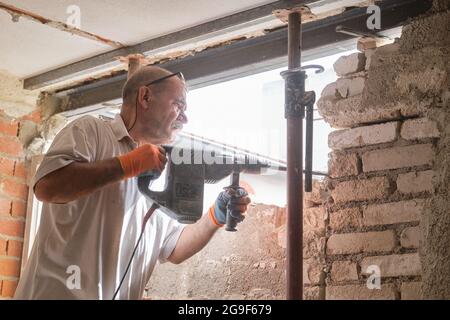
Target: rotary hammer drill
point(188, 169)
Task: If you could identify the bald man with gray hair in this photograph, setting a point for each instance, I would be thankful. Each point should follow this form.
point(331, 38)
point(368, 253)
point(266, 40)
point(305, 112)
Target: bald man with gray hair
point(93, 213)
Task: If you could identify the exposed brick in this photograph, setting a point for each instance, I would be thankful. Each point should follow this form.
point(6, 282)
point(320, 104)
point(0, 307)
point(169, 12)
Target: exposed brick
point(394, 265)
point(8, 288)
point(350, 87)
point(363, 136)
point(346, 113)
point(344, 271)
point(341, 165)
point(6, 167)
point(411, 237)
point(346, 243)
point(15, 248)
point(14, 189)
point(35, 116)
point(5, 207)
point(3, 245)
point(361, 190)
point(19, 208)
point(313, 293)
point(314, 219)
point(313, 272)
point(360, 292)
point(313, 245)
point(12, 228)
point(414, 182)
point(345, 218)
point(352, 63)
point(366, 43)
point(329, 90)
point(9, 267)
point(19, 170)
point(27, 132)
point(393, 212)
point(411, 291)
point(398, 157)
point(10, 146)
point(318, 194)
point(419, 129)
point(9, 127)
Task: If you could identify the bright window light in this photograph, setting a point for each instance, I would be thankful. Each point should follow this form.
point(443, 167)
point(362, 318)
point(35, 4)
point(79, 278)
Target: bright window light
point(249, 112)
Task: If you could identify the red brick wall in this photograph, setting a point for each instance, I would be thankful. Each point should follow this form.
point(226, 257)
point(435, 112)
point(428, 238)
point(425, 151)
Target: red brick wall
point(13, 197)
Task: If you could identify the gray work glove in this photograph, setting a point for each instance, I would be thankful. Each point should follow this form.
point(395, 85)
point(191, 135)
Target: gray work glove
point(235, 200)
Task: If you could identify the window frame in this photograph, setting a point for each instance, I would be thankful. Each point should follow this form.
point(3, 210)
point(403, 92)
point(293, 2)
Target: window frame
point(33, 209)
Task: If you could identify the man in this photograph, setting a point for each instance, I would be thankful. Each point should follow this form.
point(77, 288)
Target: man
point(92, 211)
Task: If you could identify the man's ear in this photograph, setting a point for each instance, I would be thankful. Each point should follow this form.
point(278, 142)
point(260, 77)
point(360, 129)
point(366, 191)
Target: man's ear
point(144, 97)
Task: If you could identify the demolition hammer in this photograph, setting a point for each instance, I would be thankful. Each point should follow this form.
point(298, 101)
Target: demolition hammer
point(188, 169)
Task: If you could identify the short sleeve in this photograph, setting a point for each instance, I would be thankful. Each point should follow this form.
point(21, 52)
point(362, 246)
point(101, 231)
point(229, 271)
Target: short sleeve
point(173, 230)
point(76, 142)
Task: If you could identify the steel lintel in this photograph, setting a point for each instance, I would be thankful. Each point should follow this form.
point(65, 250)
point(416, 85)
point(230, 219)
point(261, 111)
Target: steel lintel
point(108, 60)
point(253, 55)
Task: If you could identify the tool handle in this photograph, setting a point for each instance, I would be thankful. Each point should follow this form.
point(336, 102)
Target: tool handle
point(231, 221)
point(155, 174)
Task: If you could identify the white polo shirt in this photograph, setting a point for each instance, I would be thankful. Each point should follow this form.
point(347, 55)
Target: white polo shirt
point(82, 248)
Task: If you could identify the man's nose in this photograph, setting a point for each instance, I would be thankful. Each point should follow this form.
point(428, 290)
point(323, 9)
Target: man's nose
point(183, 118)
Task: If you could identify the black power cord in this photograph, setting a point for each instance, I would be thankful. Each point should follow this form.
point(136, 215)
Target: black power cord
point(144, 223)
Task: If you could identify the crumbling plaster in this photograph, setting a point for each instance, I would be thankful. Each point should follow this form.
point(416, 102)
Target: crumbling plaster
point(16, 102)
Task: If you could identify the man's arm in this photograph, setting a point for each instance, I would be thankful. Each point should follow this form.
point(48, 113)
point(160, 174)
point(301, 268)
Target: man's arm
point(81, 178)
point(77, 180)
point(195, 236)
point(192, 239)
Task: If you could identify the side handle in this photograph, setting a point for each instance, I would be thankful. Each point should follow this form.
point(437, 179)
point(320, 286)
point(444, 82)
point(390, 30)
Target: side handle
point(231, 220)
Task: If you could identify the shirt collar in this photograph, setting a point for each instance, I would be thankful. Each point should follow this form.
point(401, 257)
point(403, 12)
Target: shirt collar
point(119, 129)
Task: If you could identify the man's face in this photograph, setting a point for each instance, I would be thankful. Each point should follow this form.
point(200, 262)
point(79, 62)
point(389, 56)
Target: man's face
point(166, 114)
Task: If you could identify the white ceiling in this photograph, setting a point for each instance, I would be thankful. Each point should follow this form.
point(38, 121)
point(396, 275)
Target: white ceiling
point(28, 48)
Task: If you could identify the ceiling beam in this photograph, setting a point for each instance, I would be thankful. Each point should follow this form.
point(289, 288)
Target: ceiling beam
point(253, 55)
point(17, 13)
point(107, 61)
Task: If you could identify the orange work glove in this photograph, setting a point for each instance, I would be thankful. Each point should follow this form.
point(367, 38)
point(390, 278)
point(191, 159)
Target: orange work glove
point(144, 158)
